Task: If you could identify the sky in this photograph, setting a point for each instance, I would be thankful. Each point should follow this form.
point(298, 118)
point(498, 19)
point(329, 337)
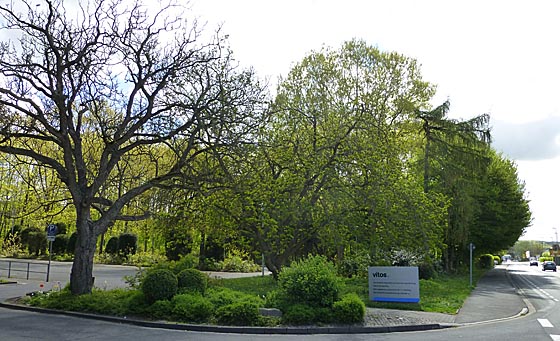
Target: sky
point(500, 57)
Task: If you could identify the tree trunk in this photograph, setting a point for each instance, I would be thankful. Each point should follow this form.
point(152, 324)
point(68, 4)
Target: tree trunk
point(81, 277)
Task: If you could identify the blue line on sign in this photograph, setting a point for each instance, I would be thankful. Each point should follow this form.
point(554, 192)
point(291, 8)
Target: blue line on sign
point(402, 300)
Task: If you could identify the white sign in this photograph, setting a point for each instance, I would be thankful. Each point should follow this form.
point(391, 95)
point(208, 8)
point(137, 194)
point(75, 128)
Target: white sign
point(394, 284)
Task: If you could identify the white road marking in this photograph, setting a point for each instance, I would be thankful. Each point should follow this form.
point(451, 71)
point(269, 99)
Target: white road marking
point(555, 337)
point(539, 291)
point(545, 323)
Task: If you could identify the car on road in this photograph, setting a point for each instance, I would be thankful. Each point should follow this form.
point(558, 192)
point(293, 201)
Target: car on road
point(548, 265)
point(533, 261)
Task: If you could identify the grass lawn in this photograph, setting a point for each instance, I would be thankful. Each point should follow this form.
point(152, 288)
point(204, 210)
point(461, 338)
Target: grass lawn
point(443, 294)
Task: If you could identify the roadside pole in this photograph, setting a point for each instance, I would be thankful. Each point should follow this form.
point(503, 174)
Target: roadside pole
point(471, 248)
point(51, 236)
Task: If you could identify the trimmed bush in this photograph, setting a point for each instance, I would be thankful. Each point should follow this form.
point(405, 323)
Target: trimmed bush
point(127, 244)
point(350, 309)
point(486, 261)
point(192, 307)
point(311, 281)
point(220, 296)
point(159, 284)
point(238, 314)
point(60, 244)
point(193, 280)
point(299, 314)
point(161, 309)
point(112, 246)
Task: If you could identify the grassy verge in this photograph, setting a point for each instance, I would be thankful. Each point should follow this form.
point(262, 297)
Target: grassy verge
point(443, 294)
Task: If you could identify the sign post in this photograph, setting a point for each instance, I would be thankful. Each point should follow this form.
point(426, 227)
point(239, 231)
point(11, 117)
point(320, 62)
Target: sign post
point(51, 236)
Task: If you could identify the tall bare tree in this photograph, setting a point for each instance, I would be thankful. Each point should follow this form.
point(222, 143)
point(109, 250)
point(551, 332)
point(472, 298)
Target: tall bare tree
point(108, 81)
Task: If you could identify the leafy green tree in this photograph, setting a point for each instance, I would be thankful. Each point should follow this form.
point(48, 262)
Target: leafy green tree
point(60, 79)
point(454, 153)
point(331, 148)
point(503, 213)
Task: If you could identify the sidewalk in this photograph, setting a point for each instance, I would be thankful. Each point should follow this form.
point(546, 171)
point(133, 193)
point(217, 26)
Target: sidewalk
point(494, 298)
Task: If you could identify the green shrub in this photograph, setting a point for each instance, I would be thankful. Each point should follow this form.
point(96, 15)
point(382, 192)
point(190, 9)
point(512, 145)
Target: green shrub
point(497, 259)
point(354, 265)
point(162, 309)
point(159, 284)
point(239, 313)
point(127, 244)
point(486, 261)
point(61, 229)
point(112, 246)
point(189, 261)
point(312, 281)
point(220, 296)
point(60, 244)
point(350, 309)
point(426, 271)
point(35, 240)
point(298, 314)
point(192, 307)
point(192, 280)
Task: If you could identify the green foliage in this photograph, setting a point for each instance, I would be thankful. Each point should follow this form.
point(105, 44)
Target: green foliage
point(159, 284)
point(486, 261)
point(299, 314)
point(192, 307)
point(112, 246)
point(241, 313)
point(127, 244)
point(497, 259)
point(350, 309)
point(354, 265)
point(426, 271)
point(162, 309)
point(61, 229)
point(117, 302)
point(236, 263)
point(11, 246)
point(192, 280)
point(188, 261)
point(177, 244)
point(34, 239)
point(60, 244)
point(311, 281)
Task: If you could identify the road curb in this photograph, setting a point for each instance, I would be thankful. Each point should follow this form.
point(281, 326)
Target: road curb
point(234, 329)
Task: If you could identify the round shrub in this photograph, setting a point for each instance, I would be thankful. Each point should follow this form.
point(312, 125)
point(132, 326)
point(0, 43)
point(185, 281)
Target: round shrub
point(191, 307)
point(312, 281)
point(350, 309)
point(486, 261)
point(112, 246)
point(127, 244)
point(298, 314)
point(159, 284)
point(238, 314)
point(192, 280)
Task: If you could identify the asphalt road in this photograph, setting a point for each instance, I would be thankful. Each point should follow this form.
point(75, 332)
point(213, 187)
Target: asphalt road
point(540, 289)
